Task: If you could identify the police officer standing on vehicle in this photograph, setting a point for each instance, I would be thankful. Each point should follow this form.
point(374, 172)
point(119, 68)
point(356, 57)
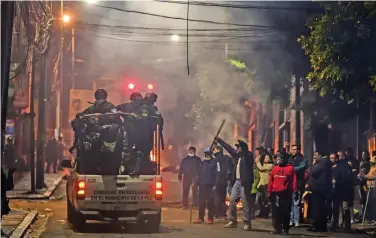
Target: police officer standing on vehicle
point(133, 129)
point(155, 119)
point(101, 105)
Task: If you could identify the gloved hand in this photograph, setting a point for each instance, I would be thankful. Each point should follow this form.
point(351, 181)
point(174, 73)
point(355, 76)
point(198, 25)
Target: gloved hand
point(71, 149)
point(296, 196)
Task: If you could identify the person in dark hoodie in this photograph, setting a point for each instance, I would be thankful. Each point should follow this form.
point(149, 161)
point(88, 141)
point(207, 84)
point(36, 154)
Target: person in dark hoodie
point(188, 171)
point(320, 184)
point(300, 165)
point(282, 183)
point(206, 181)
point(6, 185)
point(342, 192)
point(222, 163)
point(242, 181)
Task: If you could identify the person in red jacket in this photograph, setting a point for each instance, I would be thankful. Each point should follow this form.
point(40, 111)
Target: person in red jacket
point(282, 183)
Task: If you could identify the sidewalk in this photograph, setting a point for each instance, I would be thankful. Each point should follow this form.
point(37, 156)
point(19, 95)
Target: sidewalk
point(16, 223)
point(367, 228)
point(22, 187)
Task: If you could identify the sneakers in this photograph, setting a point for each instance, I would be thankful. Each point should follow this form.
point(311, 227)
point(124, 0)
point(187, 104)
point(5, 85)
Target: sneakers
point(210, 222)
point(247, 227)
point(198, 221)
point(296, 224)
point(231, 224)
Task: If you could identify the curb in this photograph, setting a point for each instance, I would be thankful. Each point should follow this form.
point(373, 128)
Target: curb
point(25, 224)
point(52, 188)
point(47, 194)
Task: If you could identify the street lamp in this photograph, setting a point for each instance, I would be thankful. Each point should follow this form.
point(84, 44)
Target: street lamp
point(175, 37)
point(66, 18)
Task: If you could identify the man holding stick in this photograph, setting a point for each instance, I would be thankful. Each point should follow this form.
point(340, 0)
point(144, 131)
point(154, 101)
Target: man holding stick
point(242, 180)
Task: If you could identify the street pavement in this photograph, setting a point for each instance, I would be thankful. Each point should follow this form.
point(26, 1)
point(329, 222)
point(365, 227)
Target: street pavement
point(23, 185)
point(51, 222)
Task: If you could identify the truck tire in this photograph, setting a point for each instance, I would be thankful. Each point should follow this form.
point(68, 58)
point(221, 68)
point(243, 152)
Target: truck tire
point(74, 218)
point(70, 212)
point(154, 223)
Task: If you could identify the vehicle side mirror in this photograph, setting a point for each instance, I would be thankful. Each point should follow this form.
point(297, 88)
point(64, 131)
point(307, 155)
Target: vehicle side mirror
point(66, 164)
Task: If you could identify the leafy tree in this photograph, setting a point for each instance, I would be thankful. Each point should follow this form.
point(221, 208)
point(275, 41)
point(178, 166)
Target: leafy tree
point(341, 48)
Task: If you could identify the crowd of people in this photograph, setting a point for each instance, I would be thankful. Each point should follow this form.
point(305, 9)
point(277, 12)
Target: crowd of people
point(276, 186)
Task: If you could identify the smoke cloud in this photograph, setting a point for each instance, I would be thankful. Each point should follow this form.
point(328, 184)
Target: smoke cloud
point(141, 47)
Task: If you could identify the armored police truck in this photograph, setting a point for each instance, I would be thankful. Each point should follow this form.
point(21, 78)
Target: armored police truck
point(96, 191)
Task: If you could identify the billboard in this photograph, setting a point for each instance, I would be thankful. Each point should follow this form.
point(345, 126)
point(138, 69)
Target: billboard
point(78, 101)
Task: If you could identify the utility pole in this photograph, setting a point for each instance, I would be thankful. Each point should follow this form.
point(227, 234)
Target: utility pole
point(297, 110)
point(226, 52)
point(73, 58)
point(7, 14)
point(32, 116)
point(41, 136)
point(357, 129)
point(60, 86)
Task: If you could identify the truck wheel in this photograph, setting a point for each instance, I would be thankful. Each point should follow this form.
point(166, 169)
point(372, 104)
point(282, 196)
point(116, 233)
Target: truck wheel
point(74, 218)
point(154, 223)
point(70, 212)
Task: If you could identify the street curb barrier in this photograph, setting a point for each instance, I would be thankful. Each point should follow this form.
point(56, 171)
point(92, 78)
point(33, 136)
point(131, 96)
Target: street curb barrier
point(52, 188)
point(25, 224)
point(47, 194)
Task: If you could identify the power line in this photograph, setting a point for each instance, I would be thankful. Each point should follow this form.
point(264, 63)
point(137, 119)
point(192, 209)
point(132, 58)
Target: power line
point(158, 33)
point(229, 39)
point(238, 29)
point(184, 19)
point(238, 6)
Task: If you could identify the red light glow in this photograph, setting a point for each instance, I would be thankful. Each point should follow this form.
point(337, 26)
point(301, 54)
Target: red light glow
point(150, 86)
point(131, 86)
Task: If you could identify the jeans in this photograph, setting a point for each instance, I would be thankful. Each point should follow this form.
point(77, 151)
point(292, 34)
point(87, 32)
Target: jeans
point(295, 211)
point(238, 191)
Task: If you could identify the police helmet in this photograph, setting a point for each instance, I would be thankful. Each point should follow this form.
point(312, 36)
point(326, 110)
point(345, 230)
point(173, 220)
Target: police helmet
point(207, 150)
point(100, 94)
point(135, 96)
point(151, 97)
